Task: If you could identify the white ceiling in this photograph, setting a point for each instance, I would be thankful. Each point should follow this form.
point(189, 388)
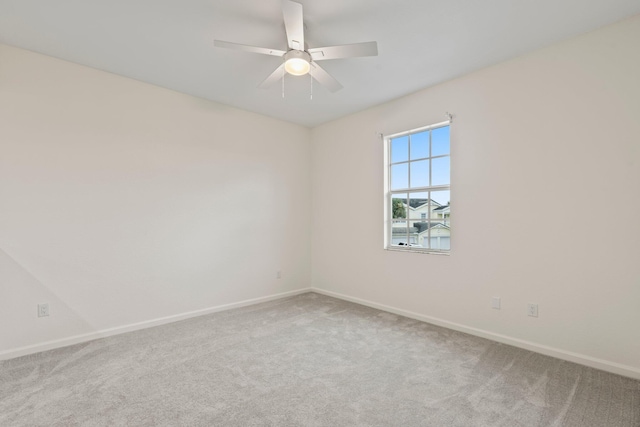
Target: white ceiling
point(169, 43)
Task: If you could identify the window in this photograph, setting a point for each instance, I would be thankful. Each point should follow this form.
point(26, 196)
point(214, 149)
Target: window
point(418, 190)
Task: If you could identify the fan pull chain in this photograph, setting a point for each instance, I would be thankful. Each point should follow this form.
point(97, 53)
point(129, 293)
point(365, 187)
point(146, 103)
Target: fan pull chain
point(311, 93)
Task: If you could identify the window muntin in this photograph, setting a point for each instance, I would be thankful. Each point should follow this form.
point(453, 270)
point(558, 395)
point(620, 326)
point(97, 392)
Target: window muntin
point(419, 190)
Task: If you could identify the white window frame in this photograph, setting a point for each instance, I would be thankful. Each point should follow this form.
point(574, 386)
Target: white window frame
point(388, 193)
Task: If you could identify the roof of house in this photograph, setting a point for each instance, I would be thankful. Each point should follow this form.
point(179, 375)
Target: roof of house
point(416, 203)
point(402, 231)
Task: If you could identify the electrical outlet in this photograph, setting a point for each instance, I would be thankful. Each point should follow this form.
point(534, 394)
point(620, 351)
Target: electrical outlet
point(43, 310)
point(532, 310)
point(279, 274)
point(495, 303)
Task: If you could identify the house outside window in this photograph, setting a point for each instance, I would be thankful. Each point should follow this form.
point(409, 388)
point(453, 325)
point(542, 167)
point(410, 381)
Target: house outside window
point(418, 190)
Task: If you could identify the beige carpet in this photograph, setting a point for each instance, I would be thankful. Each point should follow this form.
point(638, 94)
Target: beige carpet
point(308, 360)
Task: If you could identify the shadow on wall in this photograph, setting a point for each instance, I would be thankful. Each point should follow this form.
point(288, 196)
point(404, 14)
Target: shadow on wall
point(20, 293)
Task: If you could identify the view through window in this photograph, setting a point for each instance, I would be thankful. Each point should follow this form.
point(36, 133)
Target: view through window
point(419, 189)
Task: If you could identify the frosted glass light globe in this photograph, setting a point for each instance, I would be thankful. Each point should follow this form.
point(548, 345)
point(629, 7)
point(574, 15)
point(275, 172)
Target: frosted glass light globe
point(297, 62)
point(297, 66)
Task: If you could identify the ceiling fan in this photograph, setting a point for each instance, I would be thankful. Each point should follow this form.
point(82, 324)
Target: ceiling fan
point(299, 60)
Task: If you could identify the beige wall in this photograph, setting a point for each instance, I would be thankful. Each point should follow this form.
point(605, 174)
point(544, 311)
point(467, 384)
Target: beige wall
point(121, 202)
point(558, 128)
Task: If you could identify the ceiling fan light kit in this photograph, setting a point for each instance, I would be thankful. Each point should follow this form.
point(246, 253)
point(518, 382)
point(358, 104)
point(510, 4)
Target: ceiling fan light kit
point(297, 62)
point(298, 59)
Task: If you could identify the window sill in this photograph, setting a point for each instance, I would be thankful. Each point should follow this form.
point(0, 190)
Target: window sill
point(418, 251)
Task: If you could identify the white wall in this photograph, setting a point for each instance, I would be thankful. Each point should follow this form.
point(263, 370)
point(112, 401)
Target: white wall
point(121, 202)
point(535, 143)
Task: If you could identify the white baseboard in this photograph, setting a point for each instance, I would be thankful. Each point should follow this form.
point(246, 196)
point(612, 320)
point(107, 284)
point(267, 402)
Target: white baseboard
point(605, 365)
point(76, 339)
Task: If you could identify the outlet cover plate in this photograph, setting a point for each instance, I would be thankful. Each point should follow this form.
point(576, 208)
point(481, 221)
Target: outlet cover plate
point(43, 310)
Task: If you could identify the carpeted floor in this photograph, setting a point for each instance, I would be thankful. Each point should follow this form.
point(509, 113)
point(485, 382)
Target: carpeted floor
point(308, 360)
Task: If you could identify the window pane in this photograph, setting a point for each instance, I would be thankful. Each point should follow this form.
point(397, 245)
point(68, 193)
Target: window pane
point(400, 149)
point(418, 204)
point(399, 233)
point(399, 206)
point(419, 212)
point(441, 198)
point(440, 141)
point(440, 222)
point(441, 171)
point(446, 239)
point(441, 243)
point(420, 145)
point(400, 176)
point(421, 233)
point(440, 234)
point(420, 173)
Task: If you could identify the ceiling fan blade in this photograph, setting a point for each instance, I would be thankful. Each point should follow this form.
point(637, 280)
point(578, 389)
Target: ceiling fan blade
point(293, 24)
point(273, 77)
point(344, 51)
point(324, 78)
point(247, 48)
